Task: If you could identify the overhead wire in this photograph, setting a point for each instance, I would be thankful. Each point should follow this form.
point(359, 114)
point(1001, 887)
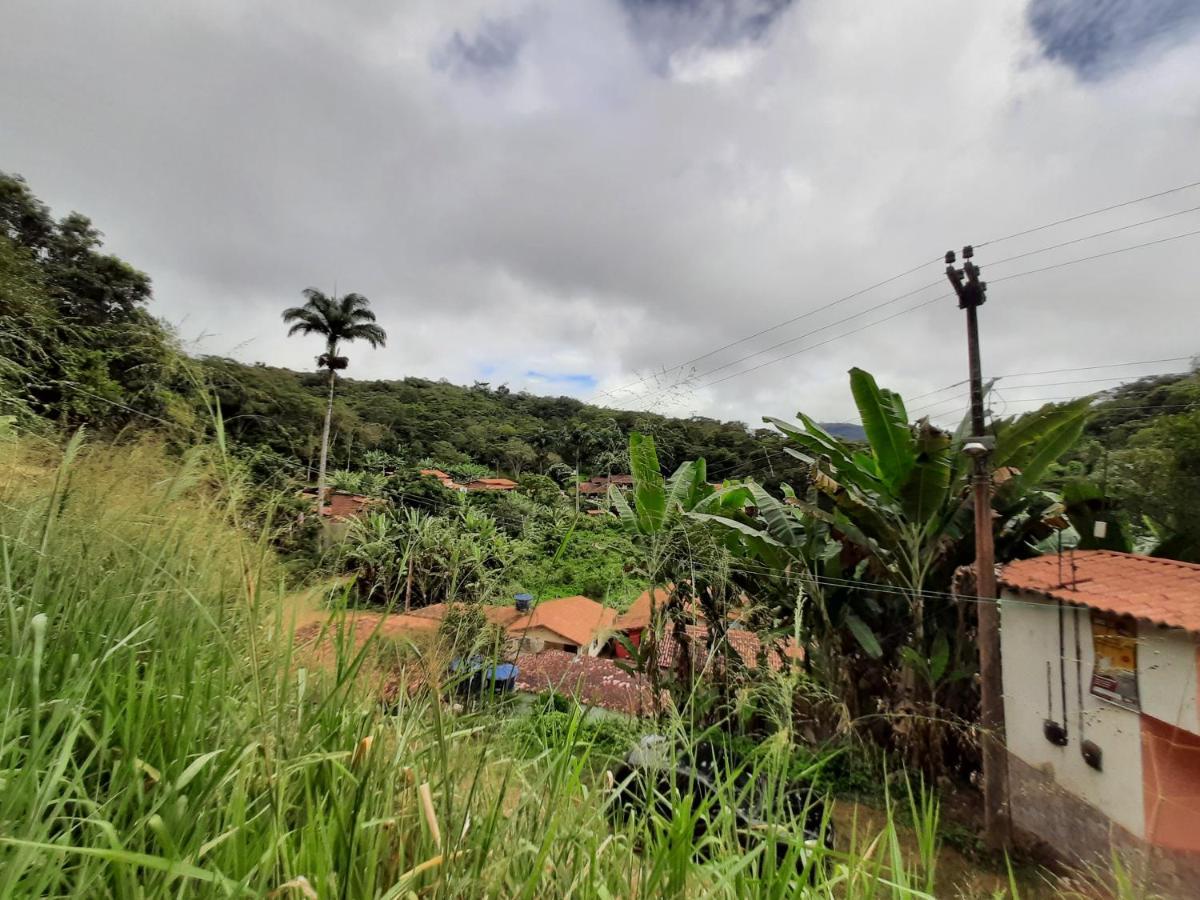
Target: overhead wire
point(1143, 362)
point(914, 308)
point(1031, 230)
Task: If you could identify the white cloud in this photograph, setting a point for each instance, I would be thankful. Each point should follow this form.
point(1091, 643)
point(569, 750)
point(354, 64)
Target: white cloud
point(582, 211)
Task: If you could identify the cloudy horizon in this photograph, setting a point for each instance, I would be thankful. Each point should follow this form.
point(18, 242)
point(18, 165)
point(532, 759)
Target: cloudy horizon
point(579, 198)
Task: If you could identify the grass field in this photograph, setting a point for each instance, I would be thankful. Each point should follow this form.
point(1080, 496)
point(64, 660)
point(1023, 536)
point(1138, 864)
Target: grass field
point(161, 737)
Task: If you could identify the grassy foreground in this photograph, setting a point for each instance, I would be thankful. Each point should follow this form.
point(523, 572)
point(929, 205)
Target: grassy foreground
point(160, 737)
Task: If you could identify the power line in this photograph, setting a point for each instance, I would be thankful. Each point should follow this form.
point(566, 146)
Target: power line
point(611, 391)
point(1063, 264)
point(1089, 237)
point(1045, 384)
point(1143, 362)
point(1094, 212)
point(761, 332)
point(1071, 262)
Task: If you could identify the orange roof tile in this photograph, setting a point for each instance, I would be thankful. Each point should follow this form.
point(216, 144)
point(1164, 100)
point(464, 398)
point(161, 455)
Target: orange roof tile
point(745, 643)
point(592, 680)
point(578, 619)
point(1162, 591)
point(638, 614)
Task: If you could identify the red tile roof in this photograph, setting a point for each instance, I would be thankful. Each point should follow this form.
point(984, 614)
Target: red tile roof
point(592, 680)
point(578, 619)
point(638, 614)
point(341, 506)
point(1162, 591)
point(745, 643)
point(491, 484)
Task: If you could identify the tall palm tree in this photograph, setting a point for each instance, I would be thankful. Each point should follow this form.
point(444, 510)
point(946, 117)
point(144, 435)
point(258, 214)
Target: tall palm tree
point(346, 318)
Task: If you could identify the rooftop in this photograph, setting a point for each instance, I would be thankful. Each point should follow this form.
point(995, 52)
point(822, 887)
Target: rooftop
point(578, 619)
point(591, 680)
point(1162, 591)
point(745, 643)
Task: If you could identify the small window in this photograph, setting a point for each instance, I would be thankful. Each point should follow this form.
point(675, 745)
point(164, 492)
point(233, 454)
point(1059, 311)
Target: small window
point(571, 648)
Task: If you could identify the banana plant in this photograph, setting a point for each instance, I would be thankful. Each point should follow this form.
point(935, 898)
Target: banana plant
point(904, 503)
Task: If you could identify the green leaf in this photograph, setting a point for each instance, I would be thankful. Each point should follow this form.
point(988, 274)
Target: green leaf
point(864, 635)
point(172, 867)
point(781, 524)
point(889, 435)
point(924, 492)
point(940, 657)
point(624, 511)
point(735, 525)
point(1019, 439)
point(649, 489)
point(1052, 445)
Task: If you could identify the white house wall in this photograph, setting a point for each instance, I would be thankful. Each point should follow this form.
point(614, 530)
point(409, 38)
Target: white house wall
point(1030, 643)
point(1167, 676)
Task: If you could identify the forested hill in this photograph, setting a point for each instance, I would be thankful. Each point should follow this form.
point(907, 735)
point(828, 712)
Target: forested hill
point(505, 430)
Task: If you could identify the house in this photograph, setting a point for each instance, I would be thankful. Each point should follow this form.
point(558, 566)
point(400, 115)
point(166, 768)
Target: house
point(447, 480)
point(745, 644)
point(1099, 658)
point(492, 484)
point(574, 624)
point(593, 681)
point(476, 484)
point(635, 620)
point(341, 506)
point(598, 485)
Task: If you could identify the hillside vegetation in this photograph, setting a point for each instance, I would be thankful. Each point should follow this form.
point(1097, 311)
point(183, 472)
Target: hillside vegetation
point(162, 736)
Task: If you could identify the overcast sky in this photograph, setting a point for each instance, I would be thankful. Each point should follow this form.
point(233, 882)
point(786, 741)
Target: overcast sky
point(577, 196)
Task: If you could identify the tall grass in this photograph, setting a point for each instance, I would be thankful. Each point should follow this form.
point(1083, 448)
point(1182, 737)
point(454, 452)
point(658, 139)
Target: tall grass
point(162, 737)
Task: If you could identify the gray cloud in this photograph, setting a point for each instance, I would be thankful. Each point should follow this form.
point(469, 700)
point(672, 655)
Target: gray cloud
point(546, 201)
point(1096, 37)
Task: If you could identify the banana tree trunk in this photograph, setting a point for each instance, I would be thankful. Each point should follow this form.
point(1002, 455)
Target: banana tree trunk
point(325, 447)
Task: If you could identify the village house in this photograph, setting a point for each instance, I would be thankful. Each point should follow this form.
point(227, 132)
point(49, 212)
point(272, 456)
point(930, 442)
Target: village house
point(1099, 656)
point(598, 485)
point(477, 484)
point(577, 625)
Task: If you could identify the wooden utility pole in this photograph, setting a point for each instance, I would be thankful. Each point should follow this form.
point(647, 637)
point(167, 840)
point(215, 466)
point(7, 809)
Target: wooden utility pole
point(971, 295)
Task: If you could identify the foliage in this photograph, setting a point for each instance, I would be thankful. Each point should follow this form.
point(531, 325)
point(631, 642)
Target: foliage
point(272, 773)
point(556, 721)
point(76, 342)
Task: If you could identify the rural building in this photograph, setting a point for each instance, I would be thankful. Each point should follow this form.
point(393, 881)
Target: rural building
point(1099, 656)
point(599, 484)
point(635, 620)
point(492, 484)
point(477, 484)
point(574, 624)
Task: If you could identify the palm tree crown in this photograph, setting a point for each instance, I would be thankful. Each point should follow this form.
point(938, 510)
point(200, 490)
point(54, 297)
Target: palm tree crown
point(345, 318)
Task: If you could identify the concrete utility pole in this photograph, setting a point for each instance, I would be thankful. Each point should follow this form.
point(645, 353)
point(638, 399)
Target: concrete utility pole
point(971, 295)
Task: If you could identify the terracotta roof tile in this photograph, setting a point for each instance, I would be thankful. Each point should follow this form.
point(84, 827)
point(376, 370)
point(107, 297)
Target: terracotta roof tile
point(579, 619)
point(638, 614)
point(745, 643)
point(1162, 591)
point(592, 680)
